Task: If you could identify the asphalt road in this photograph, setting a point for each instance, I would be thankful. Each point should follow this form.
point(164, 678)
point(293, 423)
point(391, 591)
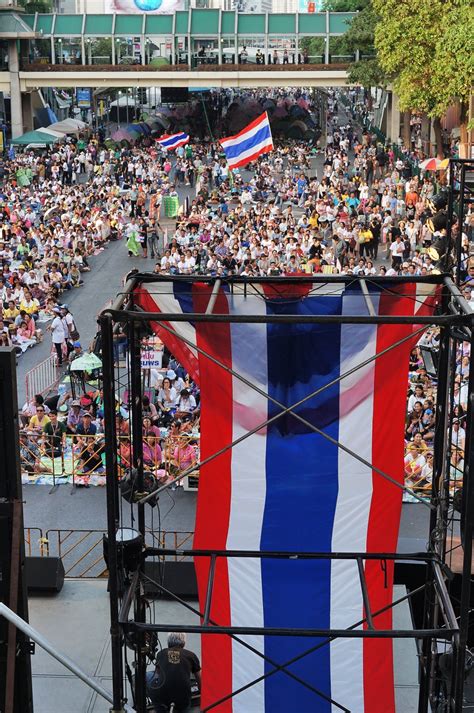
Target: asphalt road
point(100, 287)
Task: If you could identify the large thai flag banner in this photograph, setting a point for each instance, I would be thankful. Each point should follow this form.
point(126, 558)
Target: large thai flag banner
point(289, 488)
point(250, 143)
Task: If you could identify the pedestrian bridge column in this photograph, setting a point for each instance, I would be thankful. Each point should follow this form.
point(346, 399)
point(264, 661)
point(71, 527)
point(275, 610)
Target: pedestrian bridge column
point(393, 118)
point(27, 110)
point(15, 92)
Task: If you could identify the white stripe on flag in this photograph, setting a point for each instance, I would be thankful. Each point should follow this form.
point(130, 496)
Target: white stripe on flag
point(168, 303)
point(248, 490)
point(227, 143)
point(250, 151)
point(351, 519)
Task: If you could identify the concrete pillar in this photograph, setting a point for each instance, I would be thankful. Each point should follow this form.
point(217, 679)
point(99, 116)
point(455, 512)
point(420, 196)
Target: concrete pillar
point(393, 118)
point(15, 92)
point(27, 110)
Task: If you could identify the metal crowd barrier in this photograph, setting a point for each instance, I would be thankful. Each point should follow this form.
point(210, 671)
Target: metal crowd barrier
point(42, 377)
point(79, 457)
point(81, 551)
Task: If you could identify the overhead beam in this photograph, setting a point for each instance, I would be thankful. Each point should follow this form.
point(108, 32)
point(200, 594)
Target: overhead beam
point(192, 79)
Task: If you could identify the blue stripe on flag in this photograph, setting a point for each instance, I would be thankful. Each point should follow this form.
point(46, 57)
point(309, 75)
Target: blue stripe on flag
point(235, 150)
point(301, 358)
point(183, 294)
point(172, 139)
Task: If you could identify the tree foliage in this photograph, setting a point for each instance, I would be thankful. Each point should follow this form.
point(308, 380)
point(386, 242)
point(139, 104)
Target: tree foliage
point(360, 37)
point(367, 73)
point(44, 6)
point(427, 50)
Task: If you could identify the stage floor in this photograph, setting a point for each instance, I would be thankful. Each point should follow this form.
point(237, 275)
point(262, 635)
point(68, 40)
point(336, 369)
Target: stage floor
point(62, 619)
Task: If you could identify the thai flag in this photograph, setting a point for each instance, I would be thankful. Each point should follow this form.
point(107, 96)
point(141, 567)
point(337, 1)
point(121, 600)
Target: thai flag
point(173, 141)
point(248, 144)
point(288, 488)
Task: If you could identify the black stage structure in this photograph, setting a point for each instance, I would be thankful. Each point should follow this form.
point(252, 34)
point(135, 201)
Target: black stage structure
point(445, 611)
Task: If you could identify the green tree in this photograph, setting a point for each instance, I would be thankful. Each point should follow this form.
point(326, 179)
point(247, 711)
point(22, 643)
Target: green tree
point(454, 66)
point(360, 37)
point(44, 6)
point(427, 51)
point(314, 47)
point(101, 47)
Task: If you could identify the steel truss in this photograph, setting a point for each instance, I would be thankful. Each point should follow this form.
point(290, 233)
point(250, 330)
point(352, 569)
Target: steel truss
point(455, 320)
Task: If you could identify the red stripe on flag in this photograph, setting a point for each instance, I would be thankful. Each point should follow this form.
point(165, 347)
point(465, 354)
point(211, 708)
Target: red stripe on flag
point(172, 340)
point(283, 290)
point(259, 120)
point(252, 157)
point(390, 403)
point(213, 506)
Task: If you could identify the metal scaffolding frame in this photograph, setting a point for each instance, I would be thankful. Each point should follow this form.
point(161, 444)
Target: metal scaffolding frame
point(455, 320)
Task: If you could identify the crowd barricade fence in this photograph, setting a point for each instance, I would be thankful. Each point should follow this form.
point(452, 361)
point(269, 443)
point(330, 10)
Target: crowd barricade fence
point(42, 377)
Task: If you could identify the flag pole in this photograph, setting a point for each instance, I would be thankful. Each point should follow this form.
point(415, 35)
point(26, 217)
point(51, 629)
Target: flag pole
point(207, 119)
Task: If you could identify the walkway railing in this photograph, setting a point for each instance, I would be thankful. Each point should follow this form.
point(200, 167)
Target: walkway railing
point(333, 63)
point(81, 551)
point(42, 377)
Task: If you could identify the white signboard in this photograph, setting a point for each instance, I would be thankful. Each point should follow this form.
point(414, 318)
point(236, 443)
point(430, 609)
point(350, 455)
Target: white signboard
point(167, 7)
point(152, 359)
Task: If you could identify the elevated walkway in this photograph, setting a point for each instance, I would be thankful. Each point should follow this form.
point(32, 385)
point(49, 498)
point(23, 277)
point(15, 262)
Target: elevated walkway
point(190, 48)
point(286, 76)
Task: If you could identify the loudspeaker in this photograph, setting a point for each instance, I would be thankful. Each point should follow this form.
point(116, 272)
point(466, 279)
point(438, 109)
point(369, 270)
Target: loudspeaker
point(44, 574)
point(178, 577)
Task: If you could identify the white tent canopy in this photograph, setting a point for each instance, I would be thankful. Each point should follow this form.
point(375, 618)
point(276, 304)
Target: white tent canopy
point(68, 126)
point(52, 132)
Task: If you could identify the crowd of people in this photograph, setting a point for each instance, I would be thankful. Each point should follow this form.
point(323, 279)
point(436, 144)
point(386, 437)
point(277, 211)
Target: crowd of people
point(62, 437)
point(351, 208)
point(421, 424)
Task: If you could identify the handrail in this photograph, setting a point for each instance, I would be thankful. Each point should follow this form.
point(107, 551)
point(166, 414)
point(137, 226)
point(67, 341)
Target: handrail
point(45, 644)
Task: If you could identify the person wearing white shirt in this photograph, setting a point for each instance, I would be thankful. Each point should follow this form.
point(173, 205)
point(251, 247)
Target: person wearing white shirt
point(57, 334)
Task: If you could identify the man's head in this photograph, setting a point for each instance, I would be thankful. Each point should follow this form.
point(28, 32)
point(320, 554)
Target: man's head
point(176, 639)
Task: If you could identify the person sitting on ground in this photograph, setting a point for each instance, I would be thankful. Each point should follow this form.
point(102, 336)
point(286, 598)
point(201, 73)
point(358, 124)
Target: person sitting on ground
point(74, 416)
point(39, 420)
point(186, 405)
point(414, 463)
point(54, 431)
point(90, 446)
point(30, 456)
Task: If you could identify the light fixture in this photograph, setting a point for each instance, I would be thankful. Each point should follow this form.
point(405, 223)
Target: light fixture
point(129, 544)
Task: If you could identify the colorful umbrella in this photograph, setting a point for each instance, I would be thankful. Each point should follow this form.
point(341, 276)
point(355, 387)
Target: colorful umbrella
point(86, 362)
point(121, 135)
point(434, 164)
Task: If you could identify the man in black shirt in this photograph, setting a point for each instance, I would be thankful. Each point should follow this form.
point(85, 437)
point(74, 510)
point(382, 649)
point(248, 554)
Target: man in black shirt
point(54, 431)
point(170, 682)
point(376, 228)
